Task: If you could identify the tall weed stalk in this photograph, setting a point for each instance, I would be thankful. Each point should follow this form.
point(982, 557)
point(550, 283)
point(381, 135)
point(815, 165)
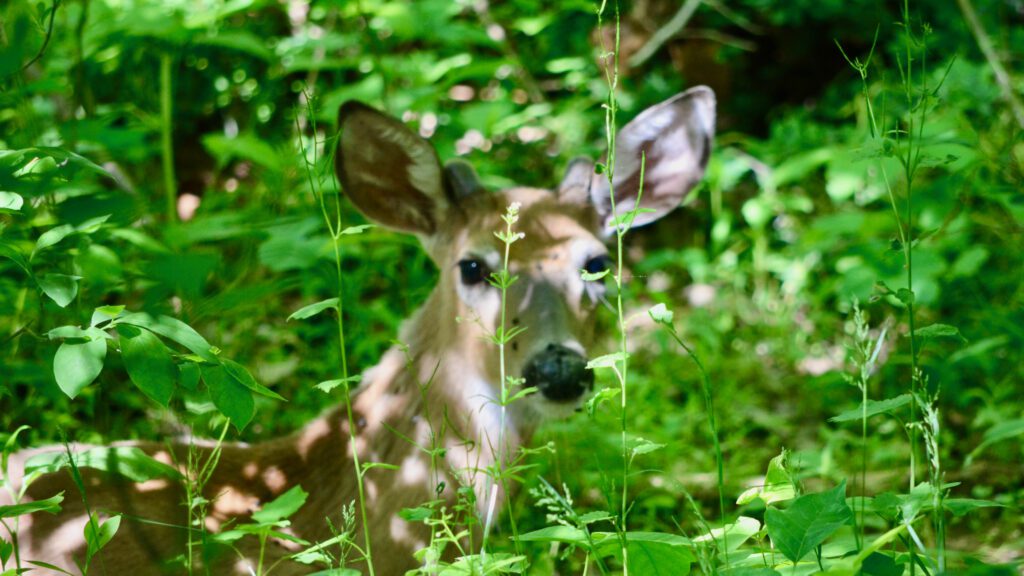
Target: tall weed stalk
point(905, 143)
point(337, 232)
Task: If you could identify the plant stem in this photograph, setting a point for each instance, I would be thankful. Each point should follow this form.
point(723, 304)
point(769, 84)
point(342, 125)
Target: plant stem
point(166, 141)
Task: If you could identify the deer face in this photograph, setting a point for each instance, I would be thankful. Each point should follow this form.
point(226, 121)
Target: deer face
point(394, 177)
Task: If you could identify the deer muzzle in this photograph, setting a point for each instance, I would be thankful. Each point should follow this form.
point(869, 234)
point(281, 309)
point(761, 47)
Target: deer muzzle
point(559, 373)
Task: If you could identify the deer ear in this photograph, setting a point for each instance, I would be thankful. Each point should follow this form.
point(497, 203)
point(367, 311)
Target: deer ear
point(674, 138)
point(389, 172)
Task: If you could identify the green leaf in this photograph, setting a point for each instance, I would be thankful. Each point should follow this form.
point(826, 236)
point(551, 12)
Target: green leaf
point(76, 365)
point(13, 254)
point(653, 557)
point(593, 277)
point(68, 332)
point(961, 506)
point(327, 386)
point(644, 446)
point(731, 536)
point(660, 314)
point(878, 564)
point(242, 375)
point(314, 309)
point(229, 396)
point(51, 506)
point(874, 408)
point(607, 361)
point(941, 331)
point(810, 519)
point(51, 237)
point(188, 376)
point(61, 288)
point(148, 362)
point(127, 461)
point(99, 535)
point(105, 313)
point(175, 330)
point(46, 565)
point(281, 507)
point(778, 484)
point(10, 201)
point(356, 229)
point(997, 433)
point(418, 514)
point(566, 534)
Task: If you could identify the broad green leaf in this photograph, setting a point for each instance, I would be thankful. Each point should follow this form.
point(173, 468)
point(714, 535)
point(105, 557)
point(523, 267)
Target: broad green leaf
point(175, 330)
point(808, 521)
point(51, 237)
point(188, 376)
point(941, 331)
point(962, 506)
point(148, 362)
point(874, 408)
point(281, 507)
point(105, 313)
point(229, 396)
point(10, 201)
point(65, 332)
point(239, 373)
point(566, 534)
point(50, 506)
point(98, 535)
point(731, 536)
point(92, 224)
point(76, 365)
point(652, 553)
point(61, 288)
point(878, 564)
point(127, 461)
point(314, 309)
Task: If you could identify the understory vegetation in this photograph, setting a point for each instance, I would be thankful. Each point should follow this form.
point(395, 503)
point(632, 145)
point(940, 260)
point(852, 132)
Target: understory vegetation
point(816, 365)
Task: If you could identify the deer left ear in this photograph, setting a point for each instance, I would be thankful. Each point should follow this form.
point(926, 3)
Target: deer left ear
point(674, 140)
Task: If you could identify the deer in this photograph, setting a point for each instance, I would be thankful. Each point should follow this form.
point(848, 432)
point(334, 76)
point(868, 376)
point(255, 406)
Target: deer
point(395, 178)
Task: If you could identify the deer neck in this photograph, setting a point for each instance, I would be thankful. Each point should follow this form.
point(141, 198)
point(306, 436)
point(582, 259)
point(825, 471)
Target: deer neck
point(430, 390)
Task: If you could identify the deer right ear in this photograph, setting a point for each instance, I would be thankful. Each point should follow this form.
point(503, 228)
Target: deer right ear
point(388, 171)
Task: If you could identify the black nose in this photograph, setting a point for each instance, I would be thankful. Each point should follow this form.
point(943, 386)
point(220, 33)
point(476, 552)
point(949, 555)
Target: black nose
point(559, 373)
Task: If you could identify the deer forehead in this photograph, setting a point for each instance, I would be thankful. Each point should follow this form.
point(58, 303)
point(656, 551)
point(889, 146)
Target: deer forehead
point(551, 231)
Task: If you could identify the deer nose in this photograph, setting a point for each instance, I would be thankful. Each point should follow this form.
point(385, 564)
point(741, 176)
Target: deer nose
point(559, 373)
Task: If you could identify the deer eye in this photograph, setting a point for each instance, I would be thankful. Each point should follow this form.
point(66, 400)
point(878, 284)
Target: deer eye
point(473, 271)
point(597, 264)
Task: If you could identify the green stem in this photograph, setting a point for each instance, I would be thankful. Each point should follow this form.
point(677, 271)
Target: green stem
point(353, 431)
point(166, 141)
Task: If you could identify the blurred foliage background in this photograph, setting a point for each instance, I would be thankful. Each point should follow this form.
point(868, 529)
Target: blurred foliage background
point(189, 107)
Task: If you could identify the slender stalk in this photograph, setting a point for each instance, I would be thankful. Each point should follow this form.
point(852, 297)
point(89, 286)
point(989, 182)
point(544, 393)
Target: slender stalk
point(335, 229)
point(166, 141)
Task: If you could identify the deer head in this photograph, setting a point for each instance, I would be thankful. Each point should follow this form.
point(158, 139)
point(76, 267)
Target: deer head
point(396, 179)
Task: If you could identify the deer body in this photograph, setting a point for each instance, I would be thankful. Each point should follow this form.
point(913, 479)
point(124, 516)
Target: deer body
point(441, 390)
